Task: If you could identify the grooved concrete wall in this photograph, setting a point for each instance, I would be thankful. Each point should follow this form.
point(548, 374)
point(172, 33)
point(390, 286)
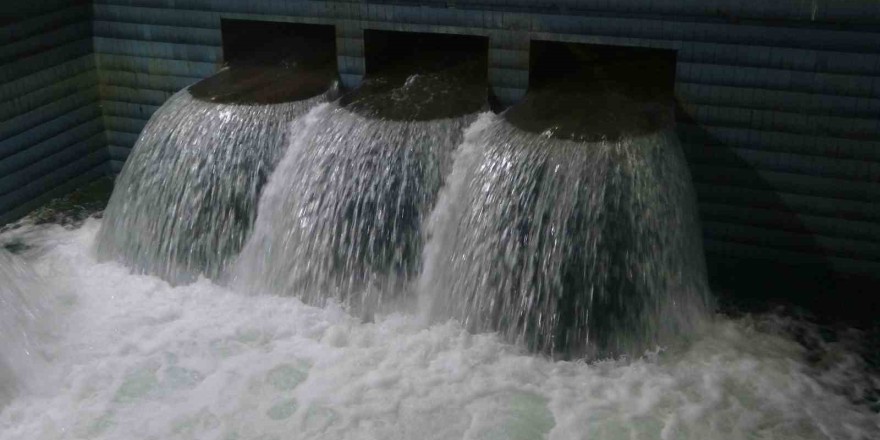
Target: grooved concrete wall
point(780, 100)
point(51, 129)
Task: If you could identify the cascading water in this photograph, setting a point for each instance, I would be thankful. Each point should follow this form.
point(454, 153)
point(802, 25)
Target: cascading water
point(22, 317)
point(342, 213)
point(574, 248)
point(341, 217)
point(186, 198)
point(140, 358)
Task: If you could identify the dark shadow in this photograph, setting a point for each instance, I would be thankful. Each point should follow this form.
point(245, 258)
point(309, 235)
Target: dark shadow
point(271, 62)
point(417, 76)
point(589, 92)
point(795, 274)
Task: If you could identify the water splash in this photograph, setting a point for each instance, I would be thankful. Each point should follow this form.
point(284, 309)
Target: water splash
point(22, 318)
point(573, 248)
point(343, 211)
point(186, 198)
point(143, 359)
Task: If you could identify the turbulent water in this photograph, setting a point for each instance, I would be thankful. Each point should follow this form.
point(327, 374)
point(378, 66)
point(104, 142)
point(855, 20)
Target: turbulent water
point(573, 248)
point(186, 199)
point(23, 317)
point(141, 359)
point(341, 217)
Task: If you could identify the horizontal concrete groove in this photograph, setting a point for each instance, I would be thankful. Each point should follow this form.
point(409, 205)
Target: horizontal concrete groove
point(149, 49)
point(299, 9)
point(116, 166)
point(793, 242)
point(104, 101)
point(40, 186)
point(49, 129)
point(154, 66)
point(75, 176)
point(46, 78)
point(842, 61)
point(50, 162)
point(782, 100)
point(809, 145)
point(37, 44)
point(749, 35)
point(28, 120)
point(753, 252)
point(859, 86)
point(145, 80)
point(785, 122)
point(785, 162)
point(157, 33)
point(790, 221)
point(790, 12)
point(46, 60)
point(162, 16)
point(128, 109)
point(793, 10)
point(667, 30)
point(118, 152)
point(134, 96)
point(122, 139)
point(769, 199)
point(420, 15)
point(127, 125)
point(784, 54)
point(772, 127)
point(48, 22)
point(51, 145)
point(118, 124)
point(786, 182)
point(28, 102)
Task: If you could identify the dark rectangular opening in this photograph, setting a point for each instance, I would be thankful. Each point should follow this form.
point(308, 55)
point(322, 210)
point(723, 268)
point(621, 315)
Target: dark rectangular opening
point(269, 42)
point(421, 76)
point(421, 51)
point(589, 92)
point(643, 71)
point(270, 62)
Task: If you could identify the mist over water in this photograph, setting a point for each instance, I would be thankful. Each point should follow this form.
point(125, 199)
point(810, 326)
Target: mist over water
point(186, 199)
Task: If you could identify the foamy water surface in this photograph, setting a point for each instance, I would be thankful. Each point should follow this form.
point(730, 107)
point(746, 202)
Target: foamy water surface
point(130, 357)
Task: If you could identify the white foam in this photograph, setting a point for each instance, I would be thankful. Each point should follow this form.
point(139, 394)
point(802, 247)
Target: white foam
point(139, 359)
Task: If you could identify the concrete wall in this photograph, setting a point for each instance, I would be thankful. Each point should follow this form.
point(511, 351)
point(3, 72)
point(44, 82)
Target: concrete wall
point(779, 99)
point(51, 130)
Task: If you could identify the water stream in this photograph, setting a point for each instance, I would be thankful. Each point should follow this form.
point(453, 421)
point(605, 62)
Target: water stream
point(186, 200)
point(572, 248)
point(318, 271)
point(341, 216)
